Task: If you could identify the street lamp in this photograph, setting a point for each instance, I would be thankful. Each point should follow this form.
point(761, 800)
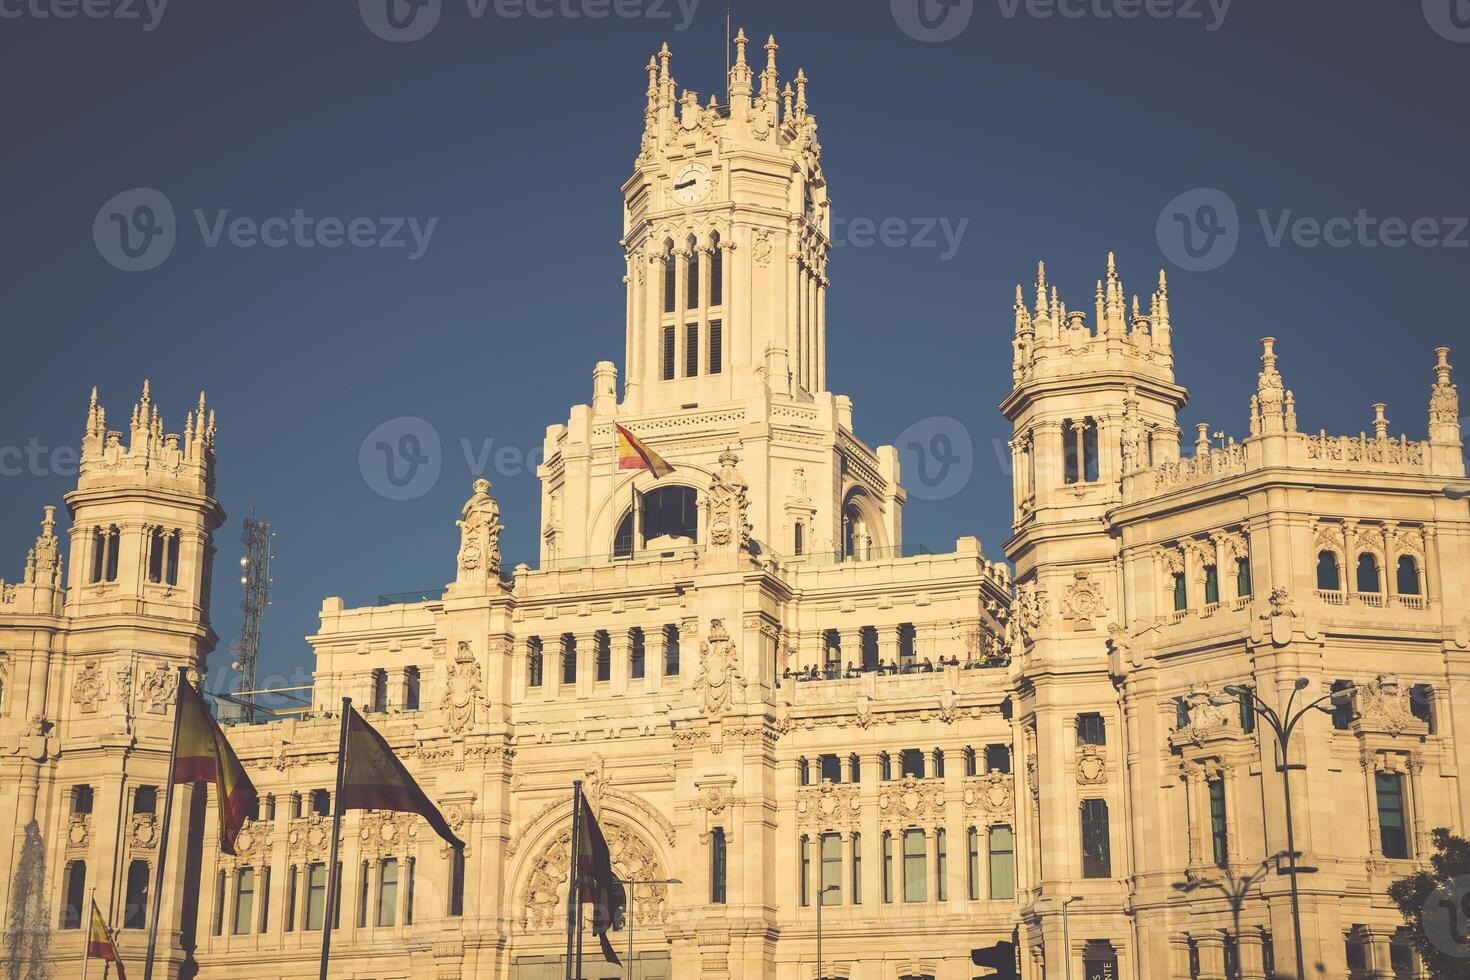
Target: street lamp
point(821, 974)
point(628, 910)
point(1283, 725)
point(1067, 935)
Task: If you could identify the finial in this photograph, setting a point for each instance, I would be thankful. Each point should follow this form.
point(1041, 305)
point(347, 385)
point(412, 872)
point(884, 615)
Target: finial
point(1163, 283)
point(786, 95)
point(1380, 420)
point(740, 42)
point(800, 92)
point(48, 521)
point(1042, 309)
point(147, 398)
point(1268, 354)
point(1112, 267)
point(1441, 368)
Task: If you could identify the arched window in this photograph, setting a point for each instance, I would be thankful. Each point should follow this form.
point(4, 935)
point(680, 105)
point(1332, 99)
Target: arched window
point(1328, 577)
point(1212, 585)
point(1181, 597)
point(691, 279)
point(716, 273)
point(671, 279)
point(670, 512)
point(1242, 577)
point(1408, 575)
point(1368, 578)
point(623, 537)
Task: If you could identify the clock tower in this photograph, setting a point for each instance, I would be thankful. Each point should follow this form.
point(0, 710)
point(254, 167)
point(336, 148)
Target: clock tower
point(726, 237)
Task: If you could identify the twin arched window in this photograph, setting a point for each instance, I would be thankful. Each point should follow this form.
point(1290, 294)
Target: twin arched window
point(1329, 575)
point(1369, 579)
point(704, 294)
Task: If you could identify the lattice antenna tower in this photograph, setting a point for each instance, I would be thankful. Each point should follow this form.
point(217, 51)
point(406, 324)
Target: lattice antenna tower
point(255, 578)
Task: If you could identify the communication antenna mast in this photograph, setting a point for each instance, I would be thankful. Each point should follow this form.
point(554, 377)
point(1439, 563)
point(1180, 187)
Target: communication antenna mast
point(255, 577)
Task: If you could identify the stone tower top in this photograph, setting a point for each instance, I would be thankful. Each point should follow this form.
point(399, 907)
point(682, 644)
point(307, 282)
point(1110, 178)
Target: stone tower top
point(151, 457)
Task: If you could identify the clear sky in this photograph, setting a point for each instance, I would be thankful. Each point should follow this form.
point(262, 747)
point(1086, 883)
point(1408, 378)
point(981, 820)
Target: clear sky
point(1029, 129)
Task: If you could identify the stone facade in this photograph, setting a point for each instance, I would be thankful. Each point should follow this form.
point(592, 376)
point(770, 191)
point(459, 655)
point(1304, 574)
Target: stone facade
point(700, 651)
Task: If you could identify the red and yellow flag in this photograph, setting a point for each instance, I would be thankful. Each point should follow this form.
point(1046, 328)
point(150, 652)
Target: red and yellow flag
point(375, 779)
point(203, 755)
point(99, 942)
point(634, 455)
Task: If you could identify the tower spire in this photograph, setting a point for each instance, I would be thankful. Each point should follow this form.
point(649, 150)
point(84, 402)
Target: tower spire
point(770, 84)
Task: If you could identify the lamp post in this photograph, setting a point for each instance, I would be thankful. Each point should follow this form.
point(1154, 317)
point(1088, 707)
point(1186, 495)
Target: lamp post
point(1282, 726)
point(628, 911)
point(820, 902)
point(1067, 935)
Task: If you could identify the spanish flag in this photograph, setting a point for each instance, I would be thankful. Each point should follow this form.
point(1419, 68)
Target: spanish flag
point(202, 755)
point(634, 455)
point(99, 942)
point(374, 779)
point(596, 884)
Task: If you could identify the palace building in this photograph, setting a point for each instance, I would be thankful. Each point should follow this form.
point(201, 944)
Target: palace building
point(766, 695)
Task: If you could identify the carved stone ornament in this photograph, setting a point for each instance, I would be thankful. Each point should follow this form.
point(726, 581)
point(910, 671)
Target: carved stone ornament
point(78, 832)
point(911, 802)
point(991, 795)
point(479, 531)
point(719, 670)
point(1084, 600)
point(726, 506)
point(253, 844)
point(543, 895)
point(90, 686)
point(310, 837)
point(1092, 768)
point(463, 691)
point(762, 250)
point(828, 806)
point(158, 687)
point(143, 834)
point(387, 832)
point(1382, 705)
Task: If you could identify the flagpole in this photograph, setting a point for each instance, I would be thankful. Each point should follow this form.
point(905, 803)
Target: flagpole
point(334, 883)
point(87, 938)
point(168, 810)
point(574, 904)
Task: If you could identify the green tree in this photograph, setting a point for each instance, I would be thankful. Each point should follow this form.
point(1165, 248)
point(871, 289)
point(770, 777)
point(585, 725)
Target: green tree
point(1436, 904)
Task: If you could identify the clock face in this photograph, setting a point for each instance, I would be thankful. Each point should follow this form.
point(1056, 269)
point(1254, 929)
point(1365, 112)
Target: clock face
point(692, 183)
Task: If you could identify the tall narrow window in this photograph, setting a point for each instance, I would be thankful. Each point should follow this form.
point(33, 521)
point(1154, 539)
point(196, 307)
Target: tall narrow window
point(1219, 839)
point(854, 768)
point(907, 646)
point(534, 663)
point(568, 659)
point(972, 864)
point(914, 866)
point(972, 762)
point(716, 346)
point(289, 922)
point(364, 884)
point(798, 539)
point(805, 857)
point(691, 350)
point(671, 279)
point(114, 538)
point(1368, 579)
point(1247, 711)
point(1096, 848)
point(831, 869)
point(669, 355)
point(265, 899)
point(412, 689)
point(803, 772)
point(887, 842)
point(388, 892)
point(1342, 705)
point(1071, 460)
point(1002, 862)
point(1408, 576)
point(1089, 451)
point(1391, 829)
point(99, 555)
point(716, 273)
point(220, 884)
point(671, 652)
point(857, 868)
point(718, 866)
point(1242, 577)
point(1181, 596)
point(885, 767)
point(691, 279)
point(155, 555)
point(456, 882)
point(380, 691)
point(171, 568)
point(316, 896)
point(604, 656)
point(244, 900)
point(1328, 579)
point(408, 898)
point(1421, 704)
point(1212, 585)
point(135, 908)
point(637, 654)
point(941, 865)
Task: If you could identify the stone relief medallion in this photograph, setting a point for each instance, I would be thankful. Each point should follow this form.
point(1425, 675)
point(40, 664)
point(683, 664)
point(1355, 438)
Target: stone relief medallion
point(463, 690)
point(158, 688)
point(1084, 600)
point(543, 896)
point(1092, 768)
point(78, 832)
point(144, 831)
point(90, 687)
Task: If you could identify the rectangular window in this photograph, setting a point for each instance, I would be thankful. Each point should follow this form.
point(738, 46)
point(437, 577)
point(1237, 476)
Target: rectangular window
point(604, 657)
point(806, 870)
point(671, 652)
point(456, 883)
point(718, 866)
point(1391, 830)
point(1181, 597)
point(535, 663)
point(75, 895)
point(911, 763)
point(1243, 578)
point(290, 909)
point(1248, 711)
point(1096, 848)
point(1219, 841)
point(972, 864)
point(135, 909)
point(1421, 704)
point(857, 868)
point(1002, 862)
point(671, 287)
point(363, 884)
point(716, 277)
point(941, 865)
point(914, 866)
point(412, 689)
point(691, 350)
point(1212, 585)
point(145, 799)
point(265, 899)
point(692, 293)
point(854, 769)
point(388, 892)
point(831, 768)
point(244, 900)
point(716, 346)
point(81, 800)
point(831, 869)
point(636, 655)
point(887, 867)
point(408, 899)
point(669, 357)
point(569, 659)
point(316, 896)
point(998, 758)
point(1342, 705)
point(907, 637)
point(1091, 730)
point(220, 884)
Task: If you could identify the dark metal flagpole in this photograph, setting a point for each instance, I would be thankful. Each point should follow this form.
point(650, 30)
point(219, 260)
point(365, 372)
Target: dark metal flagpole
point(168, 810)
point(334, 880)
point(574, 904)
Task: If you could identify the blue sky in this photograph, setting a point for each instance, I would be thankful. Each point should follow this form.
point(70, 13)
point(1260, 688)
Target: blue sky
point(1044, 129)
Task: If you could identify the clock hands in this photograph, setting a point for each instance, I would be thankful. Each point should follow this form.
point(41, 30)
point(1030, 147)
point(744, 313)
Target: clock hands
point(688, 183)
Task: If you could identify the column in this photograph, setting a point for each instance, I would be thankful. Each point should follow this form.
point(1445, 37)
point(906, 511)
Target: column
point(852, 648)
point(1079, 433)
point(655, 642)
point(1349, 578)
point(888, 644)
point(1378, 945)
point(1211, 946)
point(821, 334)
point(621, 650)
point(1419, 843)
point(1249, 947)
point(1370, 786)
point(1193, 579)
point(1179, 957)
point(586, 663)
